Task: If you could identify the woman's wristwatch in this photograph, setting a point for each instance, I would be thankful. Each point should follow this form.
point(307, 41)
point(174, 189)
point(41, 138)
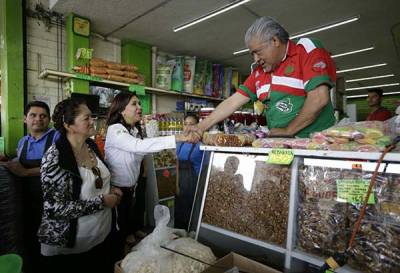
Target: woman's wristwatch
point(102, 198)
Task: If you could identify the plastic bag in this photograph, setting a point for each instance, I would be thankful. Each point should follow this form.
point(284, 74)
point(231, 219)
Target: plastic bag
point(326, 221)
point(149, 257)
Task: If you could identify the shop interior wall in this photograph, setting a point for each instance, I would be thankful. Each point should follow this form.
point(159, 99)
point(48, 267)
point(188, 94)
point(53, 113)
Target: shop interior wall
point(166, 104)
point(42, 53)
point(362, 107)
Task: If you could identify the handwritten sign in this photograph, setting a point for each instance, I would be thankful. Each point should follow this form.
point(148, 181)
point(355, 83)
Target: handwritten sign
point(280, 156)
point(353, 191)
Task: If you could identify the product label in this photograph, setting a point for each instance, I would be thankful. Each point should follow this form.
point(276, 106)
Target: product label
point(353, 191)
point(280, 156)
point(139, 89)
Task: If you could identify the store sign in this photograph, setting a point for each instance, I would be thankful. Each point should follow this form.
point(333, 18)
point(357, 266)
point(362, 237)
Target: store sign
point(139, 89)
point(353, 191)
point(280, 156)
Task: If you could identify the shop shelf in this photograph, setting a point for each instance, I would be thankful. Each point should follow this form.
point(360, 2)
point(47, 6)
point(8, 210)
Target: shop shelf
point(46, 73)
point(318, 261)
point(243, 238)
point(395, 157)
point(165, 168)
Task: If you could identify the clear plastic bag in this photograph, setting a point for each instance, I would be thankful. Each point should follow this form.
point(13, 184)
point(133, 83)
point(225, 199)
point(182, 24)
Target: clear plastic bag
point(246, 186)
point(326, 221)
point(149, 257)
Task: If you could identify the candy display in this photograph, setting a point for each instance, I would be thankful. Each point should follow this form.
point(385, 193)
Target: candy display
point(259, 196)
point(325, 219)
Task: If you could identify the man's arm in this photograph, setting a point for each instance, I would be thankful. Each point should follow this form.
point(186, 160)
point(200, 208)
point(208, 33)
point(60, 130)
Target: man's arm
point(17, 169)
point(315, 101)
point(224, 110)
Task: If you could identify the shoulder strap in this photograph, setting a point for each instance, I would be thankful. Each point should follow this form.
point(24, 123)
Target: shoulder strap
point(22, 156)
point(49, 141)
point(191, 150)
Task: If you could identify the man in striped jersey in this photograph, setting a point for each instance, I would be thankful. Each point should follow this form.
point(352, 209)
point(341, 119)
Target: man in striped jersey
point(292, 78)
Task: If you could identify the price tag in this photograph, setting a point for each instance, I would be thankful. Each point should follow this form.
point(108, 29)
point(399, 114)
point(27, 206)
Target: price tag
point(353, 191)
point(139, 89)
point(356, 166)
point(280, 156)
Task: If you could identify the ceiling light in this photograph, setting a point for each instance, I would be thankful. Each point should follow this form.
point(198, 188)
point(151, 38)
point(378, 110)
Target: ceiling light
point(370, 78)
point(360, 68)
point(357, 96)
point(321, 28)
point(328, 26)
point(364, 96)
point(211, 14)
point(372, 86)
point(352, 52)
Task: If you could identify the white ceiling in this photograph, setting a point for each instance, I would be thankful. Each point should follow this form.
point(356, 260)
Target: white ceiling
point(151, 21)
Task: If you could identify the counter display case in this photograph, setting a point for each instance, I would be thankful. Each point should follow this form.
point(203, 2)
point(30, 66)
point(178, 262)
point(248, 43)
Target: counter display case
point(292, 217)
point(247, 196)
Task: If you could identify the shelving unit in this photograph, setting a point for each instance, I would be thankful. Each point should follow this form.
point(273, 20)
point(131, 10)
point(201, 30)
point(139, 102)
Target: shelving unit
point(288, 257)
point(48, 73)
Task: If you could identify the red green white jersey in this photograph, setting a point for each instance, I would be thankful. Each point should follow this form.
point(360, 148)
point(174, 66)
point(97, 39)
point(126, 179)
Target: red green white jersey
point(306, 66)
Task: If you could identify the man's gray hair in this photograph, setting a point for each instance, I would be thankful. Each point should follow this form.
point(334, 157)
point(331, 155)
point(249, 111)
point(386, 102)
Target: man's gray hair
point(264, 28)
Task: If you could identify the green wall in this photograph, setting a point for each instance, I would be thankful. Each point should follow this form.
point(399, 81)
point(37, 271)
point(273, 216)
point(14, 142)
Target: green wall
point(12, 67)
point(362, 107)
point(75, 41)
point(139, 54)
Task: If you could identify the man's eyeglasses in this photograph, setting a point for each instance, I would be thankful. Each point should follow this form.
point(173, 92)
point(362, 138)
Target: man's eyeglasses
point(99, 181)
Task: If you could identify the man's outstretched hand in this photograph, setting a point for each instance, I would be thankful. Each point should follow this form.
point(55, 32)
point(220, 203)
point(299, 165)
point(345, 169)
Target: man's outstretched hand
point(193, 133)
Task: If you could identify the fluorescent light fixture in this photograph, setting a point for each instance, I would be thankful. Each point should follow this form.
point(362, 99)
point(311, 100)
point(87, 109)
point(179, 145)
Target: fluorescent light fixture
point(360, 68)
point(371, 78)
point(372, 86)
point(364, 96)
point(357, 96)
point(241, 51)
point(353, 52)
point(211, 14)
point(322, 28)
point(329, 26)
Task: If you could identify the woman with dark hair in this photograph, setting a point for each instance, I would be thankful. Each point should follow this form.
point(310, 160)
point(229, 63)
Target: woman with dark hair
point(125, 149)
point(189, 157)
point(78, 198)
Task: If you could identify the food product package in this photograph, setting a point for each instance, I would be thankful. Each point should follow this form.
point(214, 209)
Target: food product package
point(217, 80)
point(163, 76)
point(208, 89)
point(177, 74)
point(188, 73)
point(230, 140)
point(149, 257)
point(200, 75)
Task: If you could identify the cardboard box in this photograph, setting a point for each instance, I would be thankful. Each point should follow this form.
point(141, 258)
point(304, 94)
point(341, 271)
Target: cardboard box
point(244, 264)
point(232, 259)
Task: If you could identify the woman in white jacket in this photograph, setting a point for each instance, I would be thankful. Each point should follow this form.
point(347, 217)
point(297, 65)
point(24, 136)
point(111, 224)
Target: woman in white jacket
point(124, 150)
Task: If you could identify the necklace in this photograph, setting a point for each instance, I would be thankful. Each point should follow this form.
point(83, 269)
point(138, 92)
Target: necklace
point(89, 162)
